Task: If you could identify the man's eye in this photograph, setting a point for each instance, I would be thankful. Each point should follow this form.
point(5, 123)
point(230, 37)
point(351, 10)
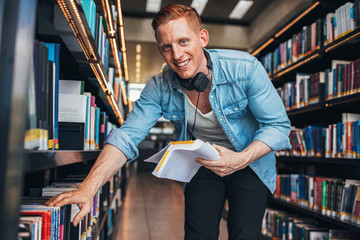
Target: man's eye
point(166, 48)
point(183, 41)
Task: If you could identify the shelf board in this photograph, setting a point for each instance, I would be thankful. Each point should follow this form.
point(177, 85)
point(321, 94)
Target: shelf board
point(303, 110)
point(335, 221)
point(342, 100)
point(320, 160)
point(293, 67)
point(326, 105)
point(41, 160)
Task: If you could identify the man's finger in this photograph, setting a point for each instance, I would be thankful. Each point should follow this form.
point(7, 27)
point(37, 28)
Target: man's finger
point(57, 198)
point(211, 163)
point(85, 209)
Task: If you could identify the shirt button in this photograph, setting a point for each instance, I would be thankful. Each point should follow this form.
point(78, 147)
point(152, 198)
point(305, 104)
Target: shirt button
point(174, 116)
point(254, 168)
point(232, 139)
point(265, 180)
point(236, 109)
point(211, 96)
point(221, 119)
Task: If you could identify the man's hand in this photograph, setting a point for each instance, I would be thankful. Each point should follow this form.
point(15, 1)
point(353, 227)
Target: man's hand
point(228, 163)
point(108, 163)
point(80, 197)
point(231, 161)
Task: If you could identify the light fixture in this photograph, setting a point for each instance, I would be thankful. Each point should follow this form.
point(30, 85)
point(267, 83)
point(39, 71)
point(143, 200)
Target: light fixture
point(240, 9)
point(153, 5)
point(199, 5)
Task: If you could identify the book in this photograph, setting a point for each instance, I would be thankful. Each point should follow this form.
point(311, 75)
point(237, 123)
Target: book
point(177, 160)
point(71, 87)
point(341, 234)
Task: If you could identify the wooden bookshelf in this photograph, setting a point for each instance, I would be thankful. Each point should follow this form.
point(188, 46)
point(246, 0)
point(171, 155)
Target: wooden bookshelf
point(41, 160)
point(61, 22)
point(330, 220)
point(75, 32)
point(17, 30)
point(350, 40)
point(319, 160)
point(323, 113)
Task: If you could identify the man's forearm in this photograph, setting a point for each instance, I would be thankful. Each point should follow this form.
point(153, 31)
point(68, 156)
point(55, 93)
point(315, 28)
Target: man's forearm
point(256, 150)
point(110, 160)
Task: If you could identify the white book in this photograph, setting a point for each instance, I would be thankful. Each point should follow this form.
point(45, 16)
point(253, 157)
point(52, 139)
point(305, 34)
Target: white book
point(72, 108)
point(71, 86)
point(350, 117)
point(87, 123)
point(177, 160)
point(311, 192)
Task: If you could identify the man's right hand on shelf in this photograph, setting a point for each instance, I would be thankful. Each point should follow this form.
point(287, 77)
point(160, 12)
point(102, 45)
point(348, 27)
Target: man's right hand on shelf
point(107, 164)
point(80, 197)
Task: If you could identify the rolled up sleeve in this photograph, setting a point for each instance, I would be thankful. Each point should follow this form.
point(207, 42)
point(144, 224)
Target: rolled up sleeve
point(269, 110)
point(146, 111)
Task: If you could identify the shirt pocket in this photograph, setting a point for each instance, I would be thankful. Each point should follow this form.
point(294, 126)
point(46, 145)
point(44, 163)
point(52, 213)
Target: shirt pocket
point(235, 111)
point(177, 118)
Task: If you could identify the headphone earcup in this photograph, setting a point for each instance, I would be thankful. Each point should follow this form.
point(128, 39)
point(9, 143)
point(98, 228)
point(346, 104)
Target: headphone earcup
point(200, 82)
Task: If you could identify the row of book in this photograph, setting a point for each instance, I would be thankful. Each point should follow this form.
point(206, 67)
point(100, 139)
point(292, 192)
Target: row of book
point(116, 84)
point(342, 79)
point(53, 108)
point(339, 140)
point(82, 125)
point(332, 197)
point(98, 29)
point(313, 37)
point(303, 92)
point(40, 222)
point(279, 224)
point(42, 127)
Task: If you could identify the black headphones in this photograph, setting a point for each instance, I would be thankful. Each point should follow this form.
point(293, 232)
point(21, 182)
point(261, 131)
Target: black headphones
point(200, 82)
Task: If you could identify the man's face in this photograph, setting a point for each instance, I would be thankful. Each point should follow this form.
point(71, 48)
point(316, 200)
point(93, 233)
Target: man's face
point(181, 45)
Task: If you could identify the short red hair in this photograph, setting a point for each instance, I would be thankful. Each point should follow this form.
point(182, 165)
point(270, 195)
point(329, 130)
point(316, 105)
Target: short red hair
point(175, 11)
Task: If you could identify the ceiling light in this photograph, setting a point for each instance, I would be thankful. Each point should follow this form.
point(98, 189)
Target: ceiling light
point(240, 9)
point(199, 5)
point(153, 5)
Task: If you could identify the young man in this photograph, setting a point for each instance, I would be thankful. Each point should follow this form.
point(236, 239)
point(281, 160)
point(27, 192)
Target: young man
point(237, 109)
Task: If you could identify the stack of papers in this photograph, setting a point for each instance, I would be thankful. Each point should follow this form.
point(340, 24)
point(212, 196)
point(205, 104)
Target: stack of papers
point(177, 160)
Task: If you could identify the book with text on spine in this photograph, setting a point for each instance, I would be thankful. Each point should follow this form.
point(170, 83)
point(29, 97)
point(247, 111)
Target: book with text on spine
point(177, 160)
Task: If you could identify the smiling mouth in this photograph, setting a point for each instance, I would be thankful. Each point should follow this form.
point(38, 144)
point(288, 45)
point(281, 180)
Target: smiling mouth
point(182, 64)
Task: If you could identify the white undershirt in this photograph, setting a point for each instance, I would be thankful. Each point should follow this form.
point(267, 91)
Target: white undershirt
point(207, 128)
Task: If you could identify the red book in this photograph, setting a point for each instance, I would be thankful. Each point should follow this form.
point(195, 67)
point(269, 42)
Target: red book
point(46, 221)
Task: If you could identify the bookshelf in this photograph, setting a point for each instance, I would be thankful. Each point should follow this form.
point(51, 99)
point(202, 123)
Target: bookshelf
point(323, 113)
point(63, 22)
point(15, 58)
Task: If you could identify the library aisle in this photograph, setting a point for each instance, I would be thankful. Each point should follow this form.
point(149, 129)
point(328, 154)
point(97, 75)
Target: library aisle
point(153, 208)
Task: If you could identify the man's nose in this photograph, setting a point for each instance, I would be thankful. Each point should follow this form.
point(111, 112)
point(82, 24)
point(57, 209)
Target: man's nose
point(177, 52)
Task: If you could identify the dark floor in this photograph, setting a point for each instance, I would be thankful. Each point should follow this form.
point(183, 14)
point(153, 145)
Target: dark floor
point(153, 209)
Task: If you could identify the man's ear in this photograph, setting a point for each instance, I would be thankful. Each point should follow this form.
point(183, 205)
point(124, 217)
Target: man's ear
point(204, 37)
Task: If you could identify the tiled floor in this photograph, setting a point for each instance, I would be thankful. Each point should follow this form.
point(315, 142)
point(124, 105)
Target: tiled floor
point(153, 209)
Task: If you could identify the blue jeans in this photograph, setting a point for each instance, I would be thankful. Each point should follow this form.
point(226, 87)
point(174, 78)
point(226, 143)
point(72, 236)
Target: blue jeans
point(205, 197)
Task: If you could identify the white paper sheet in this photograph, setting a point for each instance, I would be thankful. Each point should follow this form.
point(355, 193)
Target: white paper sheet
point(177, 160)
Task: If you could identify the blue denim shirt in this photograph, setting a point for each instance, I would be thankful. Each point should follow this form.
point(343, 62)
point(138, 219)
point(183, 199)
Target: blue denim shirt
point(242, 97)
